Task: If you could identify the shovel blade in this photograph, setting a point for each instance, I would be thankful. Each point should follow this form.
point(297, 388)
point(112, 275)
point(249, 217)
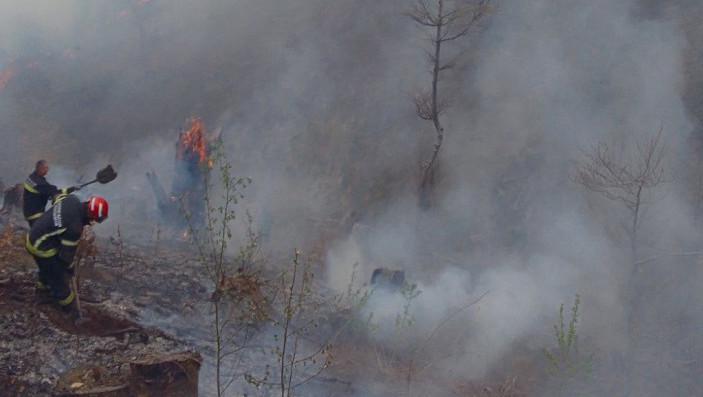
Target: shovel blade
point(106, 174)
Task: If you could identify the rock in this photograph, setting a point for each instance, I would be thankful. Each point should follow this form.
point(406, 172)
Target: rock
point(388, 278)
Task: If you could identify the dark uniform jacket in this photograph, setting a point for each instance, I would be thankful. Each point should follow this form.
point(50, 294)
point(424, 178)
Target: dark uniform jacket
point(58, 230)
point(37, 192)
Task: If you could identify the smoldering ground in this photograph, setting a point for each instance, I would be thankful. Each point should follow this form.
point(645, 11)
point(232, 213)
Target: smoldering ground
point(551, 80)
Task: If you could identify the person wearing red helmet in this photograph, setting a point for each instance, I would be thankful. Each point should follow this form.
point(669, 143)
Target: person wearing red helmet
point(52, 241)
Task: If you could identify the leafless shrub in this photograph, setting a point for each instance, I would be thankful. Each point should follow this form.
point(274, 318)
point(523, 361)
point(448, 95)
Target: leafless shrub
point(86, 251)
point(119, 246)
point(625, 180)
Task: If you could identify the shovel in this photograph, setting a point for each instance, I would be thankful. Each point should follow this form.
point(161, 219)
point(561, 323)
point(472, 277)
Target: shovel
point(74, 283)
point(103, 176)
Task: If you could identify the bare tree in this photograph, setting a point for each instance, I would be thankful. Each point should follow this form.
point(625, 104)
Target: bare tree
point(625, 180)
point(445, 21)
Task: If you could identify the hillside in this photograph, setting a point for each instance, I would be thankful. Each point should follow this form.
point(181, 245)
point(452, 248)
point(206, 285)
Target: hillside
point(312, 107)
point(144, 306)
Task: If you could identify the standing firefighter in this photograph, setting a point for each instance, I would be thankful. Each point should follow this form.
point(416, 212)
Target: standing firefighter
point(52, 242)
point(37, 192)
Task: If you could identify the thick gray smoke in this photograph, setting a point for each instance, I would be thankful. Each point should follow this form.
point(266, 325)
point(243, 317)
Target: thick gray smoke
point(551, 79)
point(312, 99)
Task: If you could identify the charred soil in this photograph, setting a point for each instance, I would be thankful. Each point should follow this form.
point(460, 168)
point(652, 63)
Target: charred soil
point(43, 352)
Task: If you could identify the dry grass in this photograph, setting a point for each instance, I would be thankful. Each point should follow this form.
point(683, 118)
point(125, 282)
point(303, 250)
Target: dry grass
point(12, 245)
point(87, 248)
point(361, 360)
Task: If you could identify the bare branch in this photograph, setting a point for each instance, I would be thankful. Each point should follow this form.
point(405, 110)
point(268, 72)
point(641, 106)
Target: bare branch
point(469, 16)
point(422, 15)
point(423, 105)
point(625, 180)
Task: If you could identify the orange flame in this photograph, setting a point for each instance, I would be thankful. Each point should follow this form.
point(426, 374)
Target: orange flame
point(193, 140)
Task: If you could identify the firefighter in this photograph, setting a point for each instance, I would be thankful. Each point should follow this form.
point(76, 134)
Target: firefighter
point(52, 242)
point(37, 192)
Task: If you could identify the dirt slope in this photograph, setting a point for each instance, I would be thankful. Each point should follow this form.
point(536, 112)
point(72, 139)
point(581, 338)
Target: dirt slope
point(42, 351)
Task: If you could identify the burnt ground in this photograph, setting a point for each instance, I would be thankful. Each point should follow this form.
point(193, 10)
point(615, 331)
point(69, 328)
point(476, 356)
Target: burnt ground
point(146, 304)
point(44, 353)
point(151, 304)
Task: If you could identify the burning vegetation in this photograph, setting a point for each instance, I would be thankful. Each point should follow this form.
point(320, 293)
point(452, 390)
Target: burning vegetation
point(192, 166)
point(191, 145)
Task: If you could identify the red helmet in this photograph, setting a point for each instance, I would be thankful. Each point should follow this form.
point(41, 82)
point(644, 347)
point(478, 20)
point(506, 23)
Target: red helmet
point(97, 208)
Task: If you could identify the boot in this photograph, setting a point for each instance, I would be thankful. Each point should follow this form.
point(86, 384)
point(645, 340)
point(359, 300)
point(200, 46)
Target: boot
point(43, 293)
point(72, 310)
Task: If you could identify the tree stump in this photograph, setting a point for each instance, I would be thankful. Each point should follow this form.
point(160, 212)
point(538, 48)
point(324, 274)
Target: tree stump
point(165, 375)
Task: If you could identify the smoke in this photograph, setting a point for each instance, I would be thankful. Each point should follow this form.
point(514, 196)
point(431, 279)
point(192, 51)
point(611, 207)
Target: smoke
point(550, 80)
point(312, 99)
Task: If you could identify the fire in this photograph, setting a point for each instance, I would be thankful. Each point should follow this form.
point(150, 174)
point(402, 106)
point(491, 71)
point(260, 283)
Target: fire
point(193, 141)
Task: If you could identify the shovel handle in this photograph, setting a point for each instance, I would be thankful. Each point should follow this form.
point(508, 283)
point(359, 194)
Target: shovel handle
point(88, 183)
point(74, 282)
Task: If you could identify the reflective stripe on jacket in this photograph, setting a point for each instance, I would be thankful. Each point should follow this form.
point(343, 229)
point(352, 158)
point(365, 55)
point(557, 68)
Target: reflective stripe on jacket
point(37, 192)
point(58, 230)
